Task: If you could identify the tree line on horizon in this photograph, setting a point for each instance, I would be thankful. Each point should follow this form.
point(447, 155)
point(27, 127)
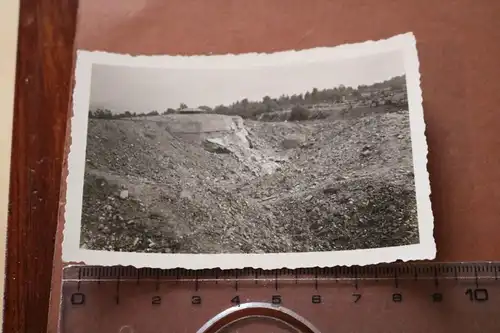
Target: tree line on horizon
point(252, 109)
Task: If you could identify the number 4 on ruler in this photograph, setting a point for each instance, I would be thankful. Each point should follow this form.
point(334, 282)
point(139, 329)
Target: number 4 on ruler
point(236, 300)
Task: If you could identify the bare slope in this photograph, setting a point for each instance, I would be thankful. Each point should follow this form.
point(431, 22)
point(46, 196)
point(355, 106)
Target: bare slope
point(315, 185)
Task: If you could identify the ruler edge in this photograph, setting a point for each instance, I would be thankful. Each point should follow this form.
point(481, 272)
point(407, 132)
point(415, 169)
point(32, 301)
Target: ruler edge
point(495, 264)
point(429, 268)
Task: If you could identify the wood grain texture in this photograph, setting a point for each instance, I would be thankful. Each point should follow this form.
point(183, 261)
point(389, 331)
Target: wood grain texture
point(458, 48)
point(43, 90)
point(459, 54)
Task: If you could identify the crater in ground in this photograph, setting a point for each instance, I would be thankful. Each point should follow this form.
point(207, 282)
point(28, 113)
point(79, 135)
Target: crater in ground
point(213, 183)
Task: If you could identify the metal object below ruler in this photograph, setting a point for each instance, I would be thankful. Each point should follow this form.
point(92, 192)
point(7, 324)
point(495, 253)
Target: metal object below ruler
point(428, 297)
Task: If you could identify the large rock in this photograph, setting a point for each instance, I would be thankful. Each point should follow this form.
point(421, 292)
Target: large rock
point(216, 146)
point(229, 130)
point(123, 194)
point(203, 123)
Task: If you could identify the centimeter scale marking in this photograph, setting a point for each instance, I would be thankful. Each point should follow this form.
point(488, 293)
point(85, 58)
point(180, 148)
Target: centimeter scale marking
point(203, 295)
point(395, 272)
point(354, 275)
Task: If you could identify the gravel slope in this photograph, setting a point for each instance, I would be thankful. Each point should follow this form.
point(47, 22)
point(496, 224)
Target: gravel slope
point(340, 184)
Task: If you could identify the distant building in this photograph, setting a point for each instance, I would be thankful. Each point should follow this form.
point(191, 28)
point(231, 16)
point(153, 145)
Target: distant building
point(191, 111)
point(319, 106)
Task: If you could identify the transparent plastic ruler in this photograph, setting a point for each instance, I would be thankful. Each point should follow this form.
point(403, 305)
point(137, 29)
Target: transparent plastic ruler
point(428, 297)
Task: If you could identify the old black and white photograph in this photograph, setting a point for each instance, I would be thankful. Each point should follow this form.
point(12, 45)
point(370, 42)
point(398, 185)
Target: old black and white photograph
point(297, 156)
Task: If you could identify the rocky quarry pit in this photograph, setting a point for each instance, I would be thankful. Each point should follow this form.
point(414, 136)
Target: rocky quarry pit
point(211, 183)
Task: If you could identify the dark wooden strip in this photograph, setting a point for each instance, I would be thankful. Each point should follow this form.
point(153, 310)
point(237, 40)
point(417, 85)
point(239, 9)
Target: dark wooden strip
point(42, 99)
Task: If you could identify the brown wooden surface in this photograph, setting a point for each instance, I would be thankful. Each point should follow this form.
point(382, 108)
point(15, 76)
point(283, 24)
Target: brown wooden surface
point(43, 78)
point(459, 52)
point(459, 49)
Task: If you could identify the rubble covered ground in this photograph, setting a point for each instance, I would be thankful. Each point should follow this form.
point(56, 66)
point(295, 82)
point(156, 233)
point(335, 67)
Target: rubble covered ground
point(256, 187)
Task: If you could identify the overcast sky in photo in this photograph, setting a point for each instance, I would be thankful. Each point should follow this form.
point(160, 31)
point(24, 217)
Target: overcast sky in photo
point(137, 89)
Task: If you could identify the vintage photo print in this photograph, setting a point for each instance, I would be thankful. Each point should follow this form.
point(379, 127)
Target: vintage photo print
point(292, 159)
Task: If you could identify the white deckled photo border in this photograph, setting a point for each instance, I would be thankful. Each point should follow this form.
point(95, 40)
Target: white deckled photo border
point(405, 43)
